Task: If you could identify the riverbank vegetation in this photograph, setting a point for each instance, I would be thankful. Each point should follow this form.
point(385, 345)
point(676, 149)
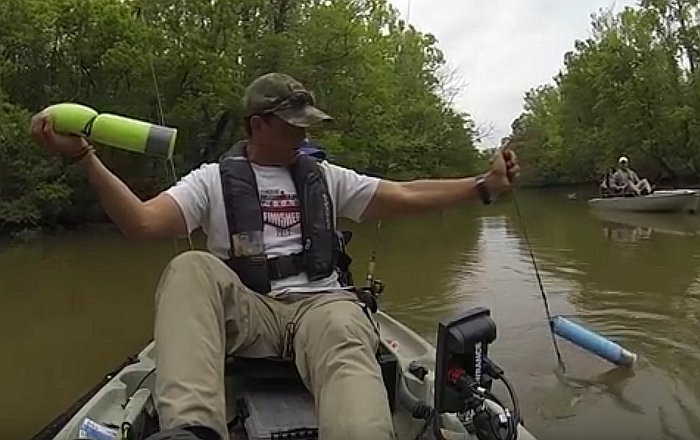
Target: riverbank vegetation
point(632, 88)
point(385, 83)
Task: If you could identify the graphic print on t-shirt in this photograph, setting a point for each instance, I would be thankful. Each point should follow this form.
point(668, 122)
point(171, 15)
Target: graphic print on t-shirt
point(280, 210)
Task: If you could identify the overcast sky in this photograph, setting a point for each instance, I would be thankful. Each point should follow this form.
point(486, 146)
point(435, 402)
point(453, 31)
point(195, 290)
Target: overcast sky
point(502, 48)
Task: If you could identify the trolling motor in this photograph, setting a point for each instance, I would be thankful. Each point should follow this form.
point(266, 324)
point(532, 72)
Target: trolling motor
point(464, 375)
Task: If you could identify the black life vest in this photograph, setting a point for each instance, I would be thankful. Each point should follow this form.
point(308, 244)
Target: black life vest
point(244, 216)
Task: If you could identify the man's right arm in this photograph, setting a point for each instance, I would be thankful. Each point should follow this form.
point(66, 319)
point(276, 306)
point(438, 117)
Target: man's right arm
point(159, 217)
point(155, 218)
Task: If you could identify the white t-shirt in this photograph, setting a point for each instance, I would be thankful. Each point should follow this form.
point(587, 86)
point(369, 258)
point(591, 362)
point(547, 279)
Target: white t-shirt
point(200, 199)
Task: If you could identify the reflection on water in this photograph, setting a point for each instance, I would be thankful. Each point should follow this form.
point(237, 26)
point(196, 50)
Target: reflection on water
point(76, 304)
point(630, 227)
point(561, 401)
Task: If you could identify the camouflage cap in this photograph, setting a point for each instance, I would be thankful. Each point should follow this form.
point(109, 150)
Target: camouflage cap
point(284, 96)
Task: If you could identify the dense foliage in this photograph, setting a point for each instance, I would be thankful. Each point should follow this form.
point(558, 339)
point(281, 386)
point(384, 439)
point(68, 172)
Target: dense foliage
point(382, 80)
point(632, 88)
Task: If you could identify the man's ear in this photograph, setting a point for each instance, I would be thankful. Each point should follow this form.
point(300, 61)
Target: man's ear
point(256, 123)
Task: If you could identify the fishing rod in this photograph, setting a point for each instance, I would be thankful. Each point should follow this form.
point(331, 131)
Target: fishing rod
point(371, 282)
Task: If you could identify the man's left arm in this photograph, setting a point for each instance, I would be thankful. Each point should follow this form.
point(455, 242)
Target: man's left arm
point(633, 176)
point(395, 198)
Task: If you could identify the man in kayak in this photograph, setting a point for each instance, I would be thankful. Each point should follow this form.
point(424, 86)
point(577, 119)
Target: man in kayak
point(268, 286)
point(627, 179)
point(608, 186)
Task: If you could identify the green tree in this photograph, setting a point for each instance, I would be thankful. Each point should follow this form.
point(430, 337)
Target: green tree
point(32, 189)
point(186, 64)
point(628, 89)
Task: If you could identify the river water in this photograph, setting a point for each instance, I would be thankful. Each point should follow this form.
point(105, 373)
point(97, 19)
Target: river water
point(76, 304)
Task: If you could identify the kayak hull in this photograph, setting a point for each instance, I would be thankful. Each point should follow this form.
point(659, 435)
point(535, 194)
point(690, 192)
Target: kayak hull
point(136, 380)
point(678, 200)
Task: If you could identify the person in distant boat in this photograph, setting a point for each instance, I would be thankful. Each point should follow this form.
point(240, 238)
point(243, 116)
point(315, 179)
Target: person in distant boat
point(628, 179)
point(608, 187)
point(269, 285)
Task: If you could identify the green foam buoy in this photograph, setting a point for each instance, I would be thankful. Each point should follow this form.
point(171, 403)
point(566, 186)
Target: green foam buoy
point(113, 130)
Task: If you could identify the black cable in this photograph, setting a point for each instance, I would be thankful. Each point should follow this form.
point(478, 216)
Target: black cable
point(514, 399)
point(496, 372)
point(490, 423)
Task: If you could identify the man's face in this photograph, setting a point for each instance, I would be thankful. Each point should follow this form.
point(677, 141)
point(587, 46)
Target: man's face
point(279, 141)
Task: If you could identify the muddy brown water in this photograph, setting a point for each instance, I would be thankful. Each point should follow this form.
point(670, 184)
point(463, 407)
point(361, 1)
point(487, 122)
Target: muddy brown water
point(76, 304)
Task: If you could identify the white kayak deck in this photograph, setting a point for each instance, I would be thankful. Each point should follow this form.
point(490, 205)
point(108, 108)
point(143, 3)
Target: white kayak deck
point(107, 405)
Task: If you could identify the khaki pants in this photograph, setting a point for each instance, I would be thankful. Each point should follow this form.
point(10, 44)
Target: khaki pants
point(203, 312)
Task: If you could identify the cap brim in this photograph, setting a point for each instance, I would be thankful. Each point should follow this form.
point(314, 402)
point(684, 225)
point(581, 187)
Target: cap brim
point(303, 117)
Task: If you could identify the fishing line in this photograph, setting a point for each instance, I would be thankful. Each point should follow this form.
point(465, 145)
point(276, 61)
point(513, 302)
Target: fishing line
point(169, 163)
point(569, 330)
point(170, 172)
point(543, 294)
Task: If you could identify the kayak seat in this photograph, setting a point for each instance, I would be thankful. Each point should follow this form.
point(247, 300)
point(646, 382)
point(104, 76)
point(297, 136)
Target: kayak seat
point(261, 368)
point(285, 370)
point(278, 369)
point(267, 398)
